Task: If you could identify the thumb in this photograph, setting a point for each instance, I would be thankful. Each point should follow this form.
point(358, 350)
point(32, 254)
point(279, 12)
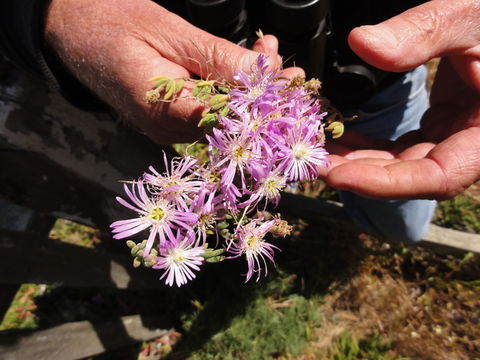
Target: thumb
point(436, 28)
point(198, 51)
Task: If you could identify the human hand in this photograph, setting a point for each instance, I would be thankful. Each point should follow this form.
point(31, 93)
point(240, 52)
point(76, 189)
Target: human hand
point(442, 158)
point(114, 47)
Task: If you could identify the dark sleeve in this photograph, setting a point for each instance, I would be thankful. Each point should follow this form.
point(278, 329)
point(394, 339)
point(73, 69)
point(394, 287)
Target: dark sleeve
point(21, 42)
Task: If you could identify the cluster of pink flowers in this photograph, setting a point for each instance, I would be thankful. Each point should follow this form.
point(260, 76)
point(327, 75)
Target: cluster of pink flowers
point(273, 135)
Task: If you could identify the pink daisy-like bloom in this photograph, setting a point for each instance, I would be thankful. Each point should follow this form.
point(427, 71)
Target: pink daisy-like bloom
point(155, 213)
point(302, 154)
point(178, 183)
point(250, 241)
point(179, 259)
point(261, 87)
point(233, 150)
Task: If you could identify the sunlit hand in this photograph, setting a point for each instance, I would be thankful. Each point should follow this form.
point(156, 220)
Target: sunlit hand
point(442, 158)
point(114, 47)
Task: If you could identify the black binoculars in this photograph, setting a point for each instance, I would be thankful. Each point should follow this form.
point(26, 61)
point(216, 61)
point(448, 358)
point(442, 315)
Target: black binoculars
point(312, 34)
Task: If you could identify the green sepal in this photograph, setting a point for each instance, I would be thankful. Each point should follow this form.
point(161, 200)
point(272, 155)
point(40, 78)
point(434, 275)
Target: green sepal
point(223, 89)
point(215, 259)
point(224, 111)
point(216, 99)
point(208, 121)
point(169, 89)
point(162, 81)
point(137, 262)
point(209, 253)
point(179, 85)
point(218, 106)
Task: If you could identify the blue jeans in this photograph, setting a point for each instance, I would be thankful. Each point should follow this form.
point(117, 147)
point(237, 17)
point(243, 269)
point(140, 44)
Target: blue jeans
point(388, 115)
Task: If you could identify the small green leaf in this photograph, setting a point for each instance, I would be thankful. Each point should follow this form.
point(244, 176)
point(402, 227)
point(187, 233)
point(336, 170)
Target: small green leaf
point(208, 121)
point(179, 85)
point(169, 89)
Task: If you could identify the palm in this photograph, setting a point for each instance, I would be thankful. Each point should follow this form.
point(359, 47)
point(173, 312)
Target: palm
point(437, 161)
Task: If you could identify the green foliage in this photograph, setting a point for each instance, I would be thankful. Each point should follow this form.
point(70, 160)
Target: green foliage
point(348, 348)
point(460, 213)
point(20, 315)
point(198, 150)
point(76, 234)
point(268, 328)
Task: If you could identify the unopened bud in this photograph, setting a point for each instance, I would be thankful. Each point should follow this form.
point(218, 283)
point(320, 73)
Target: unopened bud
point(150, 260)
point(137, 262)
point(336, 128)
point(131, 243)
point(280, 228)
point(313, 85)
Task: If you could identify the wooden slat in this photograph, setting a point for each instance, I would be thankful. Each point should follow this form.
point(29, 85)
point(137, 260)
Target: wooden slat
point(79, 339)
point(29, 258)
point(436, 238)
point(443, 237)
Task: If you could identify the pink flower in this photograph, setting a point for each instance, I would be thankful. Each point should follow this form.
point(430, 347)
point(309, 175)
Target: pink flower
point(154, 213)
point(251, 243)
point(179, 258)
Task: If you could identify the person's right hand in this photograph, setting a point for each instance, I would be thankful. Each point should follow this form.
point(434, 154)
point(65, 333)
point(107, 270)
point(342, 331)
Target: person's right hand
point(114, 47)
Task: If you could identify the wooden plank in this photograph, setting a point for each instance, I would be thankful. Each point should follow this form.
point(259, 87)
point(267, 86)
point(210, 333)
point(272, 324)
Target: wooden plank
point(436, 238)
point(443, 237)
point(64, 161)
point(30, 258)
point(79, 339)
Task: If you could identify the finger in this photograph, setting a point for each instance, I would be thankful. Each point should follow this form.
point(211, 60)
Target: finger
point(433, 29)
point(468, 67)
point(370, 154)
point(198, 51)
point(448, 169)
point(267, 44)
point(401, 180)
point(417, 151)
point(356, 140)
point(163, 122)
point(291, 72)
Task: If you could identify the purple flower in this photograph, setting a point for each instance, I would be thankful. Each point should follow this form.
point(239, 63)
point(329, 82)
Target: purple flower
point(179, 258)
point(251, 243)
point(302, 155)
point(178, 184)
point(233, 150)
point(261, 87)
point(155, 213)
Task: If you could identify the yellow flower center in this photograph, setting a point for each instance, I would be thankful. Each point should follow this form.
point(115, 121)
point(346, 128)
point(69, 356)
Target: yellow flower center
point(176, 256)
point(253, 243)
point(157, 214)
point(299, 152)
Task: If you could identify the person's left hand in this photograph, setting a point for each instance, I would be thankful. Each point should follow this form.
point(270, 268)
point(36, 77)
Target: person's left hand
point(442, 158)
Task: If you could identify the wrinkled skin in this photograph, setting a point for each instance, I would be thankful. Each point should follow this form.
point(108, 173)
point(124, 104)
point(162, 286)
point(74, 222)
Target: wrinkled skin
point(114, 47)
point(442, 158)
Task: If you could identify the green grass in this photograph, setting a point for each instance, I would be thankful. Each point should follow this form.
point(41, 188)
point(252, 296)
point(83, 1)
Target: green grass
point(21, 314)
point(322, 266)
point(370, 348)
point(268, 328)
point(460, 213)
point(76, 234)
